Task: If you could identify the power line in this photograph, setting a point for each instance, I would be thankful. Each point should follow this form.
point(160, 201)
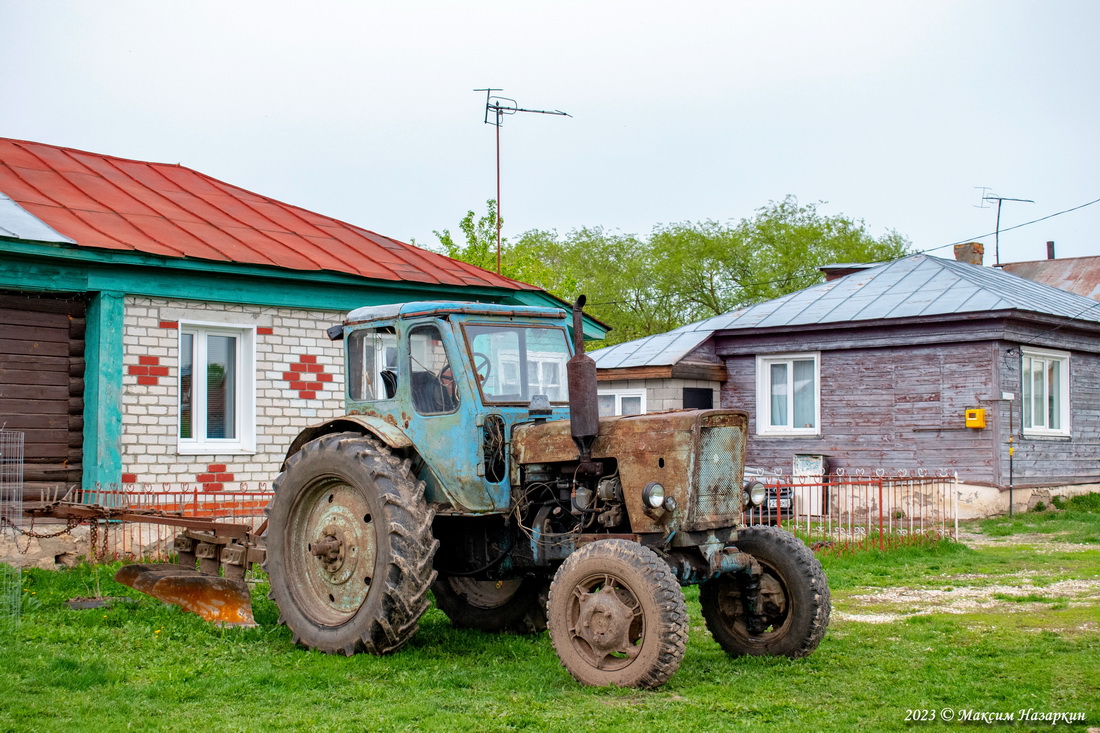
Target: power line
point(1009, 229)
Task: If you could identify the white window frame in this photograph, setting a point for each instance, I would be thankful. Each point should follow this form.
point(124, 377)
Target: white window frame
point(763, 394)
point(245, 405)
point(1048, 356)
point(619, 394)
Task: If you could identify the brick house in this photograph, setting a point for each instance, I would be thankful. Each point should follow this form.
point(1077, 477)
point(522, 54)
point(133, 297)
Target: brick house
point(877, 368)
point(160, 326)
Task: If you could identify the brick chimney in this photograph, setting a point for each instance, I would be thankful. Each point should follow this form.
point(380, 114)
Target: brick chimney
point(835, 272)
point(971, 253)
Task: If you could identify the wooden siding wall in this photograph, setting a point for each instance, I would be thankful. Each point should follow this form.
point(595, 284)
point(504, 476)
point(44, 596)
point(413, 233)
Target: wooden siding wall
point(887, 408)
point(42, 386)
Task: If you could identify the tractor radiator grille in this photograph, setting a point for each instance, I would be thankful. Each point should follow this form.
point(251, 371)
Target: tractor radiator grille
point(719, 472)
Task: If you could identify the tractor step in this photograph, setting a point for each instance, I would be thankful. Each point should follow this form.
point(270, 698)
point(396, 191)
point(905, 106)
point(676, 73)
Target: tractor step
point(220, 600)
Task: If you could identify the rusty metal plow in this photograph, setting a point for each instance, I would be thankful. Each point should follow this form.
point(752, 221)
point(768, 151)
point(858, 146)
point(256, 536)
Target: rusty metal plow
point(219, 600)
point(220, 549)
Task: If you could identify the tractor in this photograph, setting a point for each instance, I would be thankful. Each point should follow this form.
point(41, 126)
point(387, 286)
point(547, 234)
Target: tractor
point(473, 466)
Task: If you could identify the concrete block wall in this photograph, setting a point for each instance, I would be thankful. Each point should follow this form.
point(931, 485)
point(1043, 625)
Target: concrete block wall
point(662, 394)
point(299, 380)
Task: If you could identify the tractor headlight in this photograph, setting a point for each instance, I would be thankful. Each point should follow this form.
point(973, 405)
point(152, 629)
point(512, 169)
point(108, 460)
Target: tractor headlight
point(653, 495)
point(756, 491)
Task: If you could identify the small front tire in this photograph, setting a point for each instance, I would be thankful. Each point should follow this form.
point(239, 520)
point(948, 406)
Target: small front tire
point(794, 598)
point(617, 616)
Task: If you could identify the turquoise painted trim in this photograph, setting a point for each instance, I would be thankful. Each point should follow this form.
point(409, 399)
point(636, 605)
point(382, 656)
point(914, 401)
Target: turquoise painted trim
point(103, 390)
point(41, 266)
point(203, 280)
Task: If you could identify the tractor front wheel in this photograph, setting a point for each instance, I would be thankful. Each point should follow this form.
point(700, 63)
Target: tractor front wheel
point(349, 546)
point(794, 599)
point(617, 616)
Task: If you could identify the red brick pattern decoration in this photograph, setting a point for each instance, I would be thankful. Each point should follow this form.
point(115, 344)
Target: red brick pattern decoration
point(307, 377)
point(214, 477)
point(148, 370)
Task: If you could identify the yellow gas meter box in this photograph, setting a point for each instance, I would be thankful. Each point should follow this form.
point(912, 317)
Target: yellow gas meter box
point(975, 418)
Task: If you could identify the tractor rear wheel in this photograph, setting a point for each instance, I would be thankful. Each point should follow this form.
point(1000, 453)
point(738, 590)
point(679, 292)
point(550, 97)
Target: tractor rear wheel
point(349, 546)
point(517, 605)
point(617, 616)
point(794, 598)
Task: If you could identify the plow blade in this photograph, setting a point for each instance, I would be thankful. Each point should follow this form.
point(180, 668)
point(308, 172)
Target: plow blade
point(216, 599)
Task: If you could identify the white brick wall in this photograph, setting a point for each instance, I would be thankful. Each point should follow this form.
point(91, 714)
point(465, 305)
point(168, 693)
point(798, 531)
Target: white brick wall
point(289, 342)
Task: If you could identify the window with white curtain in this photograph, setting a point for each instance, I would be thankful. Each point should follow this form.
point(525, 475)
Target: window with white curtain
point(1045, 392)
point(788, 394)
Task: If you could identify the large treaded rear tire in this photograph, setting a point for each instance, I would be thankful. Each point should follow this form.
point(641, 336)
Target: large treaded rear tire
point(794, 597)
point(517, 606)
point(617, 616)
point(349, 546)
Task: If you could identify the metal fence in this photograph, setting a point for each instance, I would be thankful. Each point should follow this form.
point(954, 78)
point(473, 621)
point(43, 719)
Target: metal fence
point(146, 540)
point(11, 513)
point(854, 510)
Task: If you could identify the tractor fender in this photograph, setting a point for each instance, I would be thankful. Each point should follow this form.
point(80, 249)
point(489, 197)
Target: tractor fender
point(387, 432)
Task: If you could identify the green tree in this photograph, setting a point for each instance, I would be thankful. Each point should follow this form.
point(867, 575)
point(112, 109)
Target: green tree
point(681, 272)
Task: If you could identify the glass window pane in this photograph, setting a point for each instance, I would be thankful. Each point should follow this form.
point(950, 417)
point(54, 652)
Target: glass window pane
point(1054, 395)
point(431, 374)
point(631, 405)
point(221, 386)
point(805, 394)
point(1037, 394)
point(187, 395)
point(521, 361)
point(778, 385)
point(606, 404)
point(372, 364)
point(1026, 397)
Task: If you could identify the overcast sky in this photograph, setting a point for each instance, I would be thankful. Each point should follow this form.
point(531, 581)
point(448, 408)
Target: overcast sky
point(893, 112)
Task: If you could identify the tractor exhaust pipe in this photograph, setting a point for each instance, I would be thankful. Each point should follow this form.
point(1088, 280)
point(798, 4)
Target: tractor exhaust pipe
point(584, 409)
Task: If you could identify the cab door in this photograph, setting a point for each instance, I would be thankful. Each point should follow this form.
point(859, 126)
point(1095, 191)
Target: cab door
point(444, 428)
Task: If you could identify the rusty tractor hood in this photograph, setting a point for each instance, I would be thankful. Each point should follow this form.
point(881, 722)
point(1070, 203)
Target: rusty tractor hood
point(697, 455)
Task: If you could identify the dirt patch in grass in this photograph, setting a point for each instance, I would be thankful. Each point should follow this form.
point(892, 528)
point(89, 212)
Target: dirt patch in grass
point(1025, 591)
point(1043, 543)
point(886, 605)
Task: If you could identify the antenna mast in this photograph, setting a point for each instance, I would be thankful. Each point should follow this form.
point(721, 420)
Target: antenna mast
point(997, 241)
point(498, 107)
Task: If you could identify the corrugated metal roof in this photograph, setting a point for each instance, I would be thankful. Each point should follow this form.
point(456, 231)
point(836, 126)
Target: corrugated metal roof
point(1079, 275)
point(117, 204)
point(912, 287)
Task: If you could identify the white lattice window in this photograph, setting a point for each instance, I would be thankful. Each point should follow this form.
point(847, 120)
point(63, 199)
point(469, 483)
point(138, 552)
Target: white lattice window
point(1045, 392)
point(787, 394)
point(217, 389)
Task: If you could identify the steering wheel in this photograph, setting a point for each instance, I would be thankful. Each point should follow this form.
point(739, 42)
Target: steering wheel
point(483, 365)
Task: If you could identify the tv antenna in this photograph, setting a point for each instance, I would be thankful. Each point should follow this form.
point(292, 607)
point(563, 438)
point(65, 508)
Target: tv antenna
point(997, 241)
point(496, 107)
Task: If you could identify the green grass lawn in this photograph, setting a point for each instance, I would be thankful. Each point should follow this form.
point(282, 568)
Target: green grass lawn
point(993, 627)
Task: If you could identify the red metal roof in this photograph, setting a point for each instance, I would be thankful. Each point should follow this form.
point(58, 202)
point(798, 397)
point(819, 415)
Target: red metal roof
point(113, 203)
point(1079, 275)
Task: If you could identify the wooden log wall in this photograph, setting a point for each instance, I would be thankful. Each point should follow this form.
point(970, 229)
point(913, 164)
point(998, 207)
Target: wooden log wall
point(42, 386)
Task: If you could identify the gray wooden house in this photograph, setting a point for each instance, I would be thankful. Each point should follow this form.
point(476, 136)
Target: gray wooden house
point(878, 369)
